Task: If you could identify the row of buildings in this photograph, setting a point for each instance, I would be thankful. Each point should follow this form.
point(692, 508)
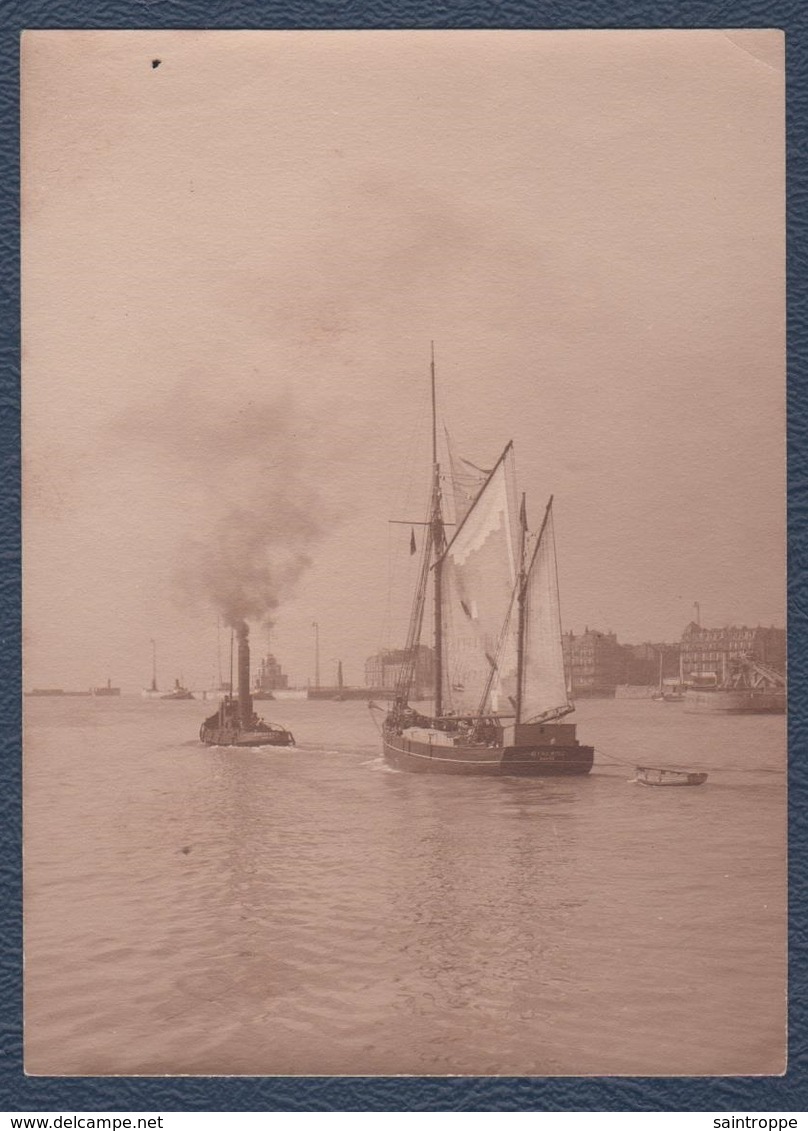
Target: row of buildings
point(596, 663)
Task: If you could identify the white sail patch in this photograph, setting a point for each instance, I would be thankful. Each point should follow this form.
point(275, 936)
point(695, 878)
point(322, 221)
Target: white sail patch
point(478, 577)
point(544, 688)
point(467, 480)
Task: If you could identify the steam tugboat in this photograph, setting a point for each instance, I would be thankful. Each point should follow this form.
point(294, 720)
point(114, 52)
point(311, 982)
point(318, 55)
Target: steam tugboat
point(235, 723)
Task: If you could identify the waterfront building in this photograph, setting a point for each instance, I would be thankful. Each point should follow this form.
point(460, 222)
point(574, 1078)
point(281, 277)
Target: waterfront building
point(708, 653)
point(594, 662)
point(642, 663)
point(383, 670)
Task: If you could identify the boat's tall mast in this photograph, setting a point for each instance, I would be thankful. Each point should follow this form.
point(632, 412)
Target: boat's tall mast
point(436, 522)
point(520, 639)
point(522, 593)
point(231, 663)
point(434, 408)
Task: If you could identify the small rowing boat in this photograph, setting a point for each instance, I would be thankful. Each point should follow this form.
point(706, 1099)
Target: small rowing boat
point(652, 775)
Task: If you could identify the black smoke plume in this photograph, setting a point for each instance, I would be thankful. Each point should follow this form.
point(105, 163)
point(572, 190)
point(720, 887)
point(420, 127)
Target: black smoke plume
point(249, 472)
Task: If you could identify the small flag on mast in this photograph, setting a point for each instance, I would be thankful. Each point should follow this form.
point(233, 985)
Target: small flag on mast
point(413, 546)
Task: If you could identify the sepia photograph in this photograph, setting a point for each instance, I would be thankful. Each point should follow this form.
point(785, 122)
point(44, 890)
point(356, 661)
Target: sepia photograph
point(404, 553)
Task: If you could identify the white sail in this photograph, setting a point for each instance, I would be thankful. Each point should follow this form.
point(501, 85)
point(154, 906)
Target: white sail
point(466, 480)
point(544, 688)
point(480, 622)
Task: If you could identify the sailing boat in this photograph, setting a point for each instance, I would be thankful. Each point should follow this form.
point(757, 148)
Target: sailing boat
point(340, 684)
point(499, 681)
point(666, 694)
point(152, 692)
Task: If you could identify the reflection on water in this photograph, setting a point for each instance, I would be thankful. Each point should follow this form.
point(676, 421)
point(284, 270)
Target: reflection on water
point(190, 910)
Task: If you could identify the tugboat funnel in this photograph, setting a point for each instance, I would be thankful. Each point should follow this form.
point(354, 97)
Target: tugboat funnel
point(245, 706)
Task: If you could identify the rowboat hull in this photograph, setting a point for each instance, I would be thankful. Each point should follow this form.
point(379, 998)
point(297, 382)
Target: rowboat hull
point(651, 775)
point(417, 757)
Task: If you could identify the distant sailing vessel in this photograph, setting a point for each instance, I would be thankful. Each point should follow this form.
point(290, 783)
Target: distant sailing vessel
point(177, 692)
point(235, 723)
point(665, 693)
point(152, 692)
point(499, 684)
point(340, 683)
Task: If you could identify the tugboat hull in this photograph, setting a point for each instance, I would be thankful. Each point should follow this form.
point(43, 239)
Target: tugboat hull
point(235, 723)
point(231, 725)
point(227, 736)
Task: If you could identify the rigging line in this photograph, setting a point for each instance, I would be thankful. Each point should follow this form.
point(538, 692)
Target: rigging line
point(450, 658)
point(397, 566)
point(611, 758)
point(407, 671)
point(403, 492)
point(373, 718)
point(434, 408)
point(697, 766)
point(738, 769)
point(388, 618)
point(477, 497)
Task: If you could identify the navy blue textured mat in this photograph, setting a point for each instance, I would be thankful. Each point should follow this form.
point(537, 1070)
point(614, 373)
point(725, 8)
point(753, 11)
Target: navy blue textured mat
point(18, 1092)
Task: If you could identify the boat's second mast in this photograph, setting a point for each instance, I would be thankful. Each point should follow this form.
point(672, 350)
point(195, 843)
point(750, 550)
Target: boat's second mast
point(438, 546)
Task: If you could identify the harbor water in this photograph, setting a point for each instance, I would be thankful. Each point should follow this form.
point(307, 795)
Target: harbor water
point(308, 911)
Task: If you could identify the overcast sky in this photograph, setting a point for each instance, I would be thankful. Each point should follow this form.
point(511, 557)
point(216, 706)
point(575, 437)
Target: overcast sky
point(234, 263)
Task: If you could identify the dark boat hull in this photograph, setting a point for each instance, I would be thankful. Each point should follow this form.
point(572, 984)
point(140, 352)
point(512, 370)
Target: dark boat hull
point(226, 736)
point(538, 761)
point(236, 724)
